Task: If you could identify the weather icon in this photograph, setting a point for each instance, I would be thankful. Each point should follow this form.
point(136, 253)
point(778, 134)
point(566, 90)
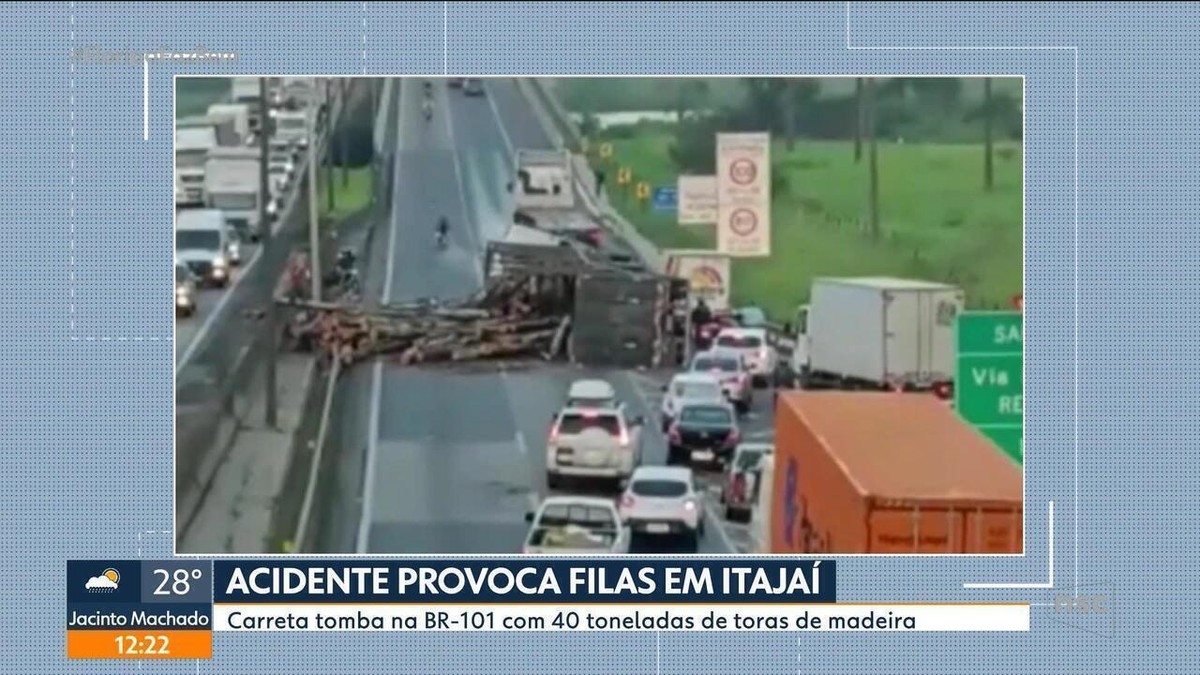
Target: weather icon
point(105, 583)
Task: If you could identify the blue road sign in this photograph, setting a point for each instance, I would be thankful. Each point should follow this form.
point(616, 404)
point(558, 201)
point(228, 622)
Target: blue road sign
point(666, 198)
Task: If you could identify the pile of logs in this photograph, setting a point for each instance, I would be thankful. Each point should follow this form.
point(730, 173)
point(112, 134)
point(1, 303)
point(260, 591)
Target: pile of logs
point(504, 321)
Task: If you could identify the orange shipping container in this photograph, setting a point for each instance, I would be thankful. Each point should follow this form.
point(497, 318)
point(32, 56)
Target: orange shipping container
point(864, 472)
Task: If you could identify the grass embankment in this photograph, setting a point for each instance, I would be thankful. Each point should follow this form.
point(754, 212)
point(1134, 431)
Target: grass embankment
point(350, 195)
point(937, 221)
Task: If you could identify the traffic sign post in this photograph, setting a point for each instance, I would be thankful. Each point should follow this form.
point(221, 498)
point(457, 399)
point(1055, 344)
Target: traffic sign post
point(666, 198)
point(989, 382)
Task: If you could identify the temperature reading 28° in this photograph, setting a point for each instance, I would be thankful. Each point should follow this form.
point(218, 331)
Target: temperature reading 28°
point(176, 582)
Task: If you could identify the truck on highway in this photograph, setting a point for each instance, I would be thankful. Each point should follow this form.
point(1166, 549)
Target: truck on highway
point(246, 91)
point(291, 127)
point(238, 114)
point(877, 333)
point(882, 472)
point(233, 186)
point(192, 145)
point(571, 524)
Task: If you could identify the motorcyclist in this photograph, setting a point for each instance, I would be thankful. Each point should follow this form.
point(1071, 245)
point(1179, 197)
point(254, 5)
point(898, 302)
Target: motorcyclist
point(427, 108)
point(443, 229)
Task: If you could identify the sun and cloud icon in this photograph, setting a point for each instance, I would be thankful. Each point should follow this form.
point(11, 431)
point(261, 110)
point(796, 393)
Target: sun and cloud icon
point(107, 582)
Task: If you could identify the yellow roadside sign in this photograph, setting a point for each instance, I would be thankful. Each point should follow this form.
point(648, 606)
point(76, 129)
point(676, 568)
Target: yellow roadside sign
point(643, 190)
point(606, 150)
point(624, 175)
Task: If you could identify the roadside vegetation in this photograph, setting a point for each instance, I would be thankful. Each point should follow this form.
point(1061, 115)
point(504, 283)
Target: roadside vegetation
point(948, 172)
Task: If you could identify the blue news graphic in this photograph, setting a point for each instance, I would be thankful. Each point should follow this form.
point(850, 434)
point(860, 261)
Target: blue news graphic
point(666, 198)
point(528, 581)
point(138, 594)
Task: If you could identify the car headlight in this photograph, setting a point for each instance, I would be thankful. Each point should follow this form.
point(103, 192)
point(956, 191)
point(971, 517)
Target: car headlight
point(220, 262)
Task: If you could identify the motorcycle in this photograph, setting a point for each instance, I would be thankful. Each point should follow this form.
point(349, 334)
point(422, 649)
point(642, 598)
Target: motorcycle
point(427, 109)
point(441, 240)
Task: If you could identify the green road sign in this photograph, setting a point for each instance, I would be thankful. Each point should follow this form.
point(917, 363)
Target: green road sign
point(988, 389)
point(1009, 440)
point(989, 333)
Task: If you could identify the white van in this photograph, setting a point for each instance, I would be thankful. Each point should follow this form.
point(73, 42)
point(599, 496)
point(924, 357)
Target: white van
point(202, 243)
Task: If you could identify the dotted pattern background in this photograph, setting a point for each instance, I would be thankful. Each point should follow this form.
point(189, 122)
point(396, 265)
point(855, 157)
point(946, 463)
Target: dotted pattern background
point(87, 422)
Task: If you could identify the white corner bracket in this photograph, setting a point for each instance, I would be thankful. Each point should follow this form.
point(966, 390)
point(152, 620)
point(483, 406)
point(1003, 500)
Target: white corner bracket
point(146, 97)
point(1048, 584)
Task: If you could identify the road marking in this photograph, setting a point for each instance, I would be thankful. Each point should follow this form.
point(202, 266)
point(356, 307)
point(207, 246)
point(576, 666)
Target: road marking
point(368, 489)
point(499, 123)
point(392, 227)
point(462, 190)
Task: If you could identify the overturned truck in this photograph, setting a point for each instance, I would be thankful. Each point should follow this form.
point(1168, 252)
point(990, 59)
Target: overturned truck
point(538, 301)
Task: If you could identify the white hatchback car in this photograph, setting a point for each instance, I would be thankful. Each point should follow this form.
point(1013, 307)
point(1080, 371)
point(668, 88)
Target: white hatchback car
point(574, 524)
point(595, 442)
point(756, 351)
point(688, 387)
point(664, 501)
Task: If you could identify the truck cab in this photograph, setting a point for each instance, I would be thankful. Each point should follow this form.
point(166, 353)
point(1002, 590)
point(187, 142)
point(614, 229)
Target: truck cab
point(543, 179)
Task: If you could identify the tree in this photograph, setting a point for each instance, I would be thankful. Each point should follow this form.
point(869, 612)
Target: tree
point(988, 175)
point(873, 161)
point(860, 108)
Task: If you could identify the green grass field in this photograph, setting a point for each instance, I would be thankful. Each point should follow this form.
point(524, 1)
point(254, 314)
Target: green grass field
point(620, 94)
point(348, 199)
point(938, 222)
point(193, 95)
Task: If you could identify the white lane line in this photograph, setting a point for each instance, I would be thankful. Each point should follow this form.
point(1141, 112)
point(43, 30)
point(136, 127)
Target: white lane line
point(392, 224)
point(491, 99)
point(462, 190)
point(368, 486)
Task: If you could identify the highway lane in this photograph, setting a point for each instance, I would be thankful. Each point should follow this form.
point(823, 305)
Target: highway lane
point(455, 455)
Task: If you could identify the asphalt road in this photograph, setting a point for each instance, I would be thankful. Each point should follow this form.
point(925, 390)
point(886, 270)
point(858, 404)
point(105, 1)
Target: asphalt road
point(453, 456)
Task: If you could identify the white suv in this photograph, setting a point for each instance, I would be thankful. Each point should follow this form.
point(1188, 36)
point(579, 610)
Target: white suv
point(730, 368)
point(593, 442)
point(663, 500)
point(753, 345)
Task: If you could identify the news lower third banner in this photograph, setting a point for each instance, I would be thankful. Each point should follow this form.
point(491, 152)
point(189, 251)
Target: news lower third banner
point(169, 609)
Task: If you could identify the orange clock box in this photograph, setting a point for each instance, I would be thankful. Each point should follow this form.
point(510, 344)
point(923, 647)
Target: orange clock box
point(139, 644)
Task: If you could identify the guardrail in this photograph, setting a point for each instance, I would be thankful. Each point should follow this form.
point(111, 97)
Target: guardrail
point(211, 386)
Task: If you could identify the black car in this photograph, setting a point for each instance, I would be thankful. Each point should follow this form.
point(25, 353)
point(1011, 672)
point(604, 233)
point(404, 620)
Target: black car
point(703, 434)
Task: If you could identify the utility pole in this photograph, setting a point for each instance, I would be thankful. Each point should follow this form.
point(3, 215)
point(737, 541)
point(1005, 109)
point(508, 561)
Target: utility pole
point(329, 198)
point(314, 228)
point(342, 151)
point(873, 161)
point(265, 236)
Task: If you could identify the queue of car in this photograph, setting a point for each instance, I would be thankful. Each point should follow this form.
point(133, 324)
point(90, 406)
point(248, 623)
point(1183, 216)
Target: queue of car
point(218, 179)
point(593, 437)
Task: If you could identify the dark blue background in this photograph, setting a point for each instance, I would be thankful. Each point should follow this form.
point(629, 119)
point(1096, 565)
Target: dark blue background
point(128, 590)
point(223, 572)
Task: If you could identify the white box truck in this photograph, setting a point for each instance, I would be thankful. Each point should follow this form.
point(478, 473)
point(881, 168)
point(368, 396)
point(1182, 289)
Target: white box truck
point(877, 333)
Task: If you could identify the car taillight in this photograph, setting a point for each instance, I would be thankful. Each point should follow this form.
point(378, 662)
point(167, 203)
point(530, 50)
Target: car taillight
point(673, 434)
point(689, 505)
point(733, 438)
point(623, 439)
point(554, 433)
point(762, 353)
point(626, 501)
point(943, 390)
